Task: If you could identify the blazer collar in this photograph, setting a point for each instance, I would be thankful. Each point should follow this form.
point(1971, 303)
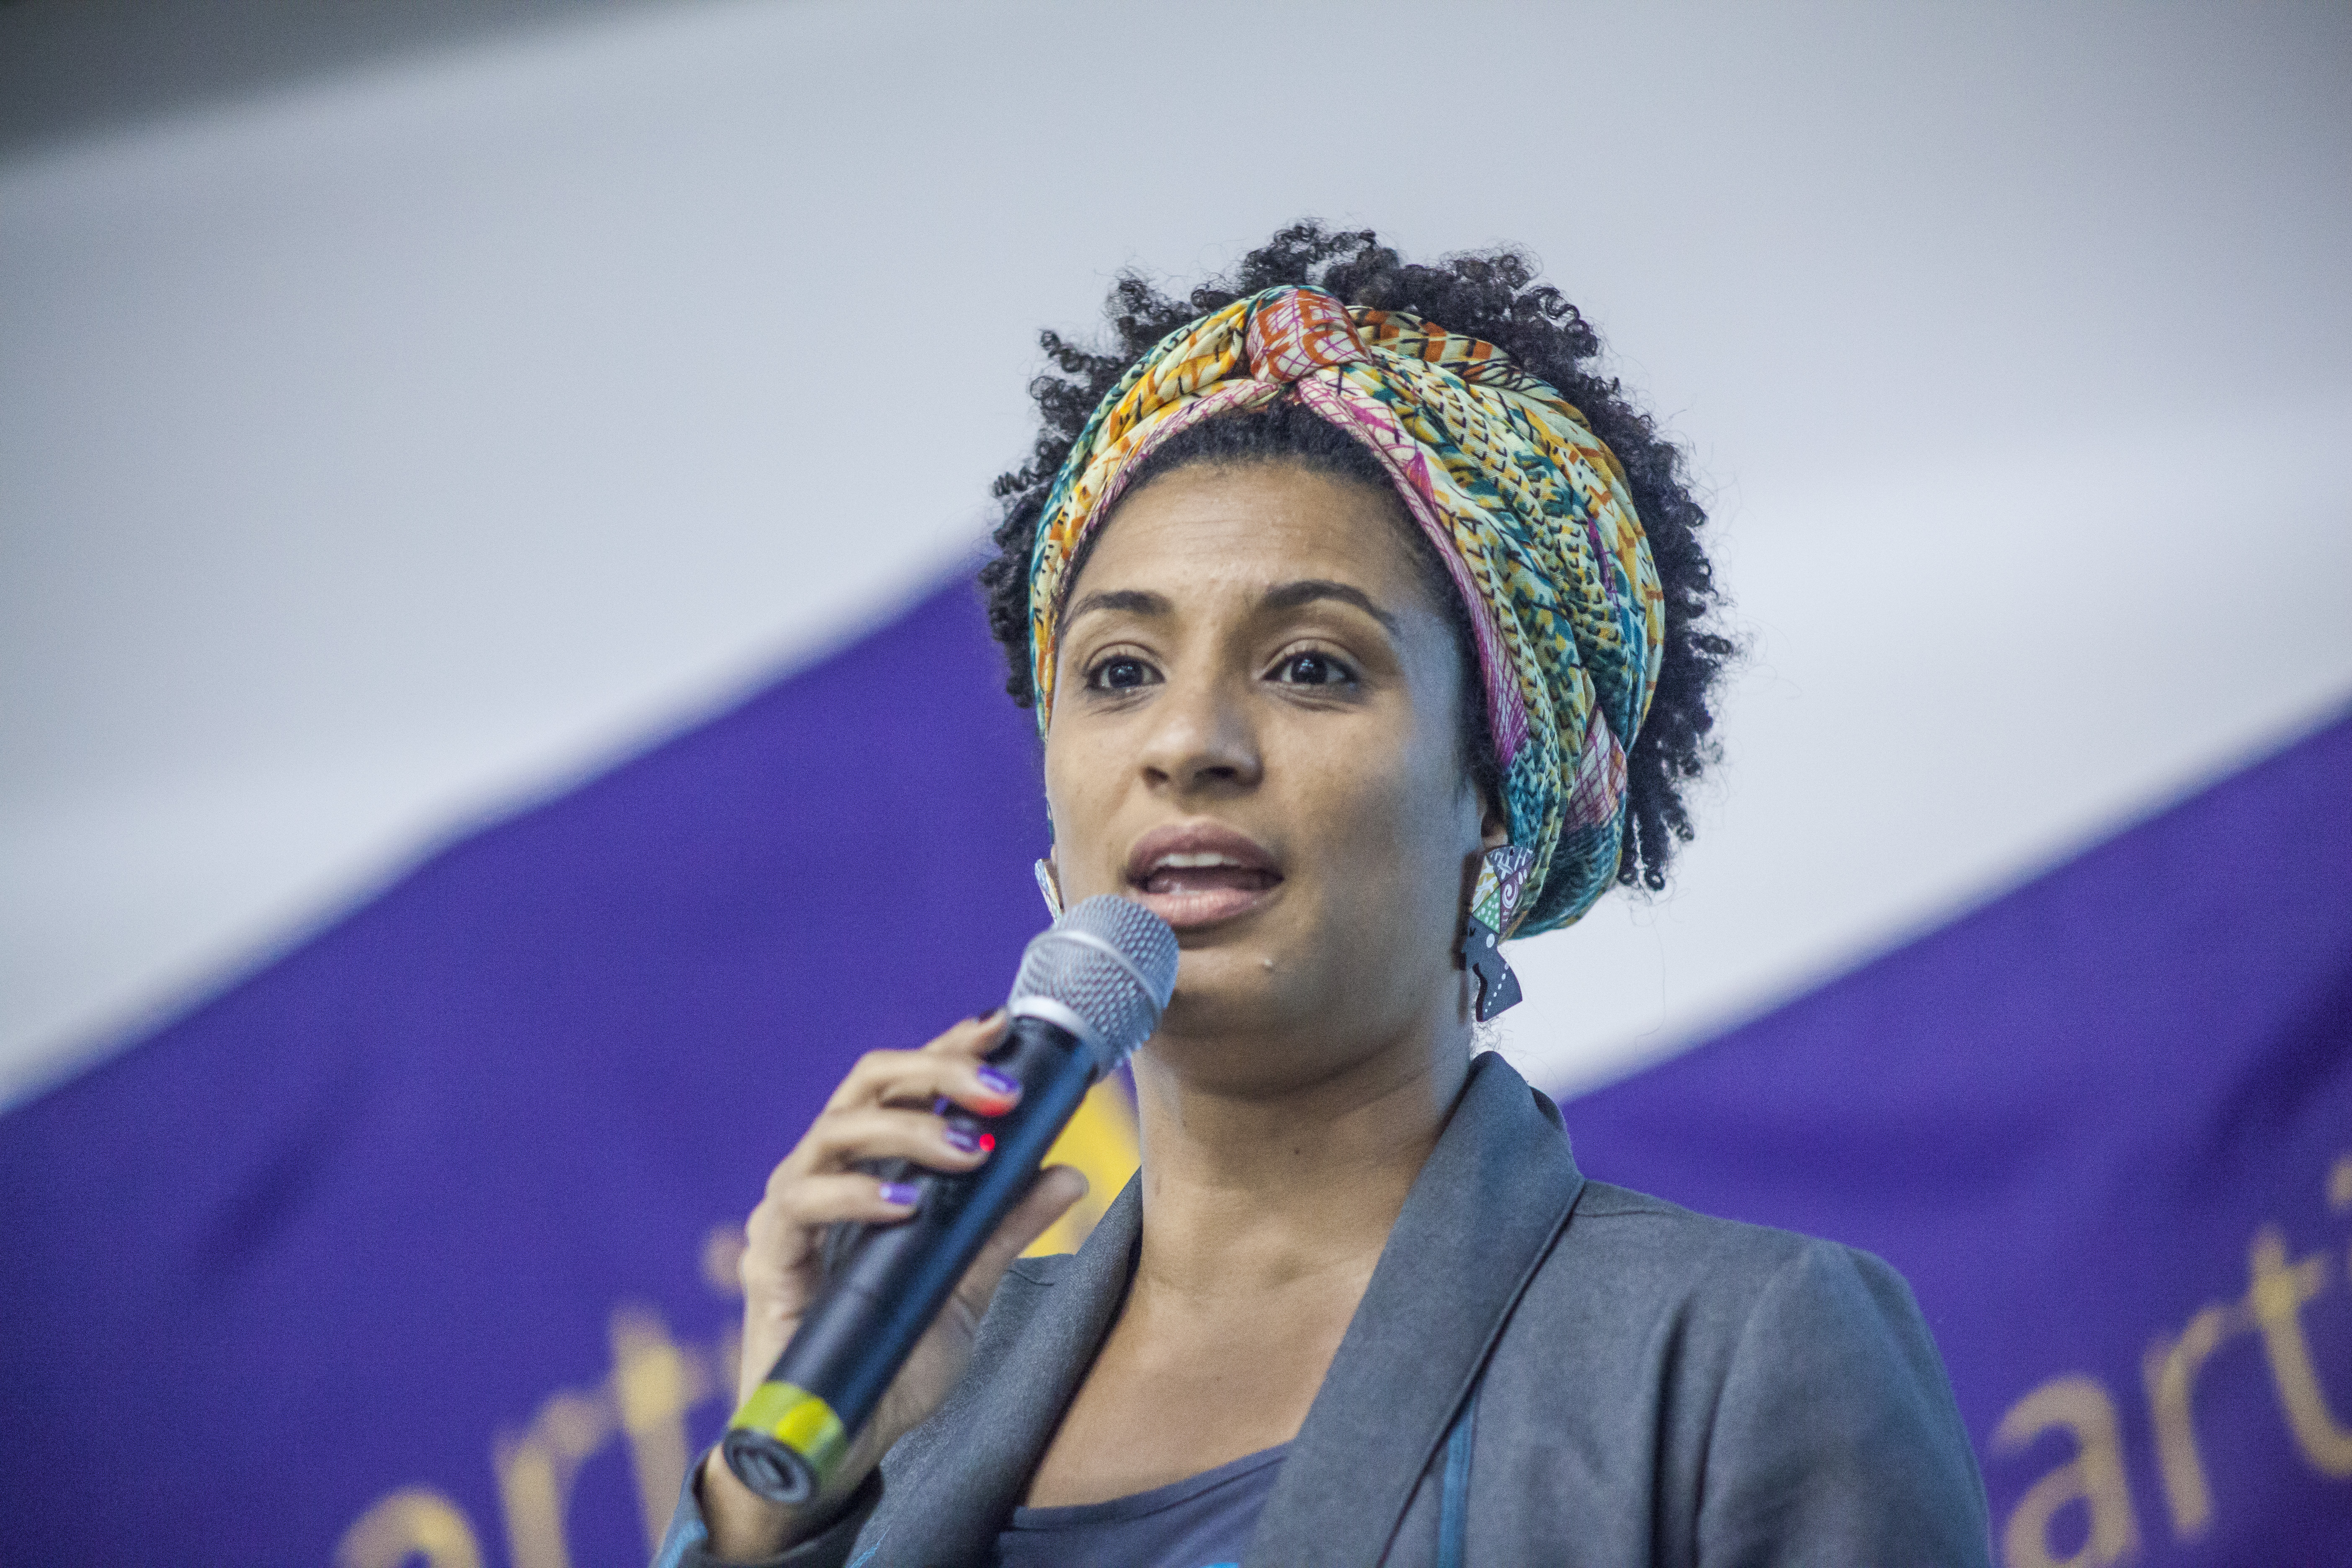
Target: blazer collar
point(982, 1448)
point(1478, 1222)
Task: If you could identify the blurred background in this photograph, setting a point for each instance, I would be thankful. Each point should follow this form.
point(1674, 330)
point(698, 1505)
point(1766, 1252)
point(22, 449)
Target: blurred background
point(486, 676)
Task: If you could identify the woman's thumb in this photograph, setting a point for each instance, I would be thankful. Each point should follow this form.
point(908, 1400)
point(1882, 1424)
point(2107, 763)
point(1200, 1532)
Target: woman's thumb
point(1048, 1199)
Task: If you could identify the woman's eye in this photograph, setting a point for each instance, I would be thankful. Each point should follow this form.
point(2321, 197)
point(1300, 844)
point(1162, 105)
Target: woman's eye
point(1311, 670)
point(1119, 675)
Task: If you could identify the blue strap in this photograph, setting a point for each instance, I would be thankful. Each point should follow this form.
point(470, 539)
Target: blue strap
point(1454, 1493)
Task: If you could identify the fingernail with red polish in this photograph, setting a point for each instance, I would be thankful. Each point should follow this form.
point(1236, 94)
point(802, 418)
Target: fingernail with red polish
point(902, 1194)
point(1001, 1083)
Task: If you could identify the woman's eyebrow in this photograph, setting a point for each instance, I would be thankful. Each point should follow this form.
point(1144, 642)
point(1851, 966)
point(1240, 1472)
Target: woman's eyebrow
point(1290, 595)
point(1136, 601)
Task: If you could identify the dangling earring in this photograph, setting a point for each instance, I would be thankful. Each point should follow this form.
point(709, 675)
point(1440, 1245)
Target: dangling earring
point(1502, 877)
point(1049, 885)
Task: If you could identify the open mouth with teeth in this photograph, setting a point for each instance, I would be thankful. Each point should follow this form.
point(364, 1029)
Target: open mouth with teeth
point(1198, 873)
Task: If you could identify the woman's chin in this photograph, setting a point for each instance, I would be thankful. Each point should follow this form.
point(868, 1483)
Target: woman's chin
point(1249, 990)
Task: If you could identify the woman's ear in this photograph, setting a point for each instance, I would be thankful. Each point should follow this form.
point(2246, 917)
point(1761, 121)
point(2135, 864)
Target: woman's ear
point(1493, 827)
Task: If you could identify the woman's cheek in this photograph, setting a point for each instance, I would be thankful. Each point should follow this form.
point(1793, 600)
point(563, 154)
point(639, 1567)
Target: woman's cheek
point(1373, 826)
point(1072, 815)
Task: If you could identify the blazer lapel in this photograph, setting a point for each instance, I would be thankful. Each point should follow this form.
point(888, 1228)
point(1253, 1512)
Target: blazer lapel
point(1479, 1220)
point(974, 1457)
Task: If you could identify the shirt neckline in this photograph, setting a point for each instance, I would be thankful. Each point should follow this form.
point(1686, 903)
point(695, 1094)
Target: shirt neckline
point(1136, 1505)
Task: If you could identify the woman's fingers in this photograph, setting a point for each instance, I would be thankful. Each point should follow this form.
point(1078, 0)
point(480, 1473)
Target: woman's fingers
point(888, 1109)
point(873, 1114)
point(948, 1068)
point(974, 1036)
point(784, 1235)
point(842, 1139)
point(814, 1202)
point(780, 1269)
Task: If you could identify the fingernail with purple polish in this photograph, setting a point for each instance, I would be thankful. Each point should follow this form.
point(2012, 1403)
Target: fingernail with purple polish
point(1001, 1083)
point(962, 1138)
point(902, 1194)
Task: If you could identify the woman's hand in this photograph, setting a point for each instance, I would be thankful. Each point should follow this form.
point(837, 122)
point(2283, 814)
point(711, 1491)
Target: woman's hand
point(881, 1111)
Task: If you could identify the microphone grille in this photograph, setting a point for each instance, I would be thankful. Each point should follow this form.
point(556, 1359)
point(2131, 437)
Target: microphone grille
point(1109, 961)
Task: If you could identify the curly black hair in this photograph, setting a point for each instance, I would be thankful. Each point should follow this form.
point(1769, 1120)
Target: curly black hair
point(1490, 294)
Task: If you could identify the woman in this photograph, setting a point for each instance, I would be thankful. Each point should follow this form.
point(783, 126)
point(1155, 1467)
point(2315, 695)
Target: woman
point(1364, 627)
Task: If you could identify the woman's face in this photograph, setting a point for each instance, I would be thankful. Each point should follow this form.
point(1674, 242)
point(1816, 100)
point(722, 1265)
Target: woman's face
point(1255, 733)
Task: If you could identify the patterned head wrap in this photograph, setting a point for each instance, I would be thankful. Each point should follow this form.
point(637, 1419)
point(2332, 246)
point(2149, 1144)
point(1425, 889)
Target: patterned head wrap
point(1528, 509)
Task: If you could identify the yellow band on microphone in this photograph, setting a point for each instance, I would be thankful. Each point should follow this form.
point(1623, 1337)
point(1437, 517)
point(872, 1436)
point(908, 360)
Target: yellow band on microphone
point(799, 1420)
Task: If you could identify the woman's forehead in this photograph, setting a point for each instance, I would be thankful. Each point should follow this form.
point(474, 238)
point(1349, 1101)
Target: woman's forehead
point(1212, 529)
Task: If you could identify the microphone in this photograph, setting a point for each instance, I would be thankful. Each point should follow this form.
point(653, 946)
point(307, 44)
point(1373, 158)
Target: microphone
point(1090, 989)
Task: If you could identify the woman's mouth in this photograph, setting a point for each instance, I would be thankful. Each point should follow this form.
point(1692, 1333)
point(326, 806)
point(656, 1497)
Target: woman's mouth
point(1197, 874)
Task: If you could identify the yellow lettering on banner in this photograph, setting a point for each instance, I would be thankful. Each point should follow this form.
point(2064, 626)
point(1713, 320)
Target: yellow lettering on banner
point(2170, 1367)
point(2339, 1184)
point(2095, 1476)
point(536, 1470)
point(2277, 1296)
point(1100, 1141)
point(411, 1522)
point(723, 1260)
point(655, 1384)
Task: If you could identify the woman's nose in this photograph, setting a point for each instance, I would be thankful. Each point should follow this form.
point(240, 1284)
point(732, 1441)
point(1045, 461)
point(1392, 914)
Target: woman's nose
point(1201, 739)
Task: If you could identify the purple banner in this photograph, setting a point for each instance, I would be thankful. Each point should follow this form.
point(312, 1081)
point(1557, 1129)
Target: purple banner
point(425, 1218)
point(414, 1246)
point(2104, 1125)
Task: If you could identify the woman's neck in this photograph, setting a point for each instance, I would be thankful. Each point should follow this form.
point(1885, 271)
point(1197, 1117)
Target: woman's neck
point(1257, 1189)
point(1265, 1209)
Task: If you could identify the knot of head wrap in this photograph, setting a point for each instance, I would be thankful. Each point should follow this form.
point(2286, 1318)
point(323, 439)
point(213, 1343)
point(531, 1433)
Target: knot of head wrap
point(1526, 506)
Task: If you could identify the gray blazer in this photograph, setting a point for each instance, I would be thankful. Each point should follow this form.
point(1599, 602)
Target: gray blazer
point(1653, 1387)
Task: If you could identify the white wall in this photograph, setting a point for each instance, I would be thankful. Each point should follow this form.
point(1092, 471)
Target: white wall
point(378, 452)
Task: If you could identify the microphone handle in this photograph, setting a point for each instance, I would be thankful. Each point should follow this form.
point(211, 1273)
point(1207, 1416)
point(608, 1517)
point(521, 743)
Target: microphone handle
point(792, 1434)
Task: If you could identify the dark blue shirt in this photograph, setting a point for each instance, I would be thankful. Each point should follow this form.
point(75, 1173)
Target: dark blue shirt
point(1203, 1522)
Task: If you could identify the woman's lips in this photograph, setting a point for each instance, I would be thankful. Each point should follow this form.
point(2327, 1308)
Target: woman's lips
point(1202, 896)
point(1196, 874)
